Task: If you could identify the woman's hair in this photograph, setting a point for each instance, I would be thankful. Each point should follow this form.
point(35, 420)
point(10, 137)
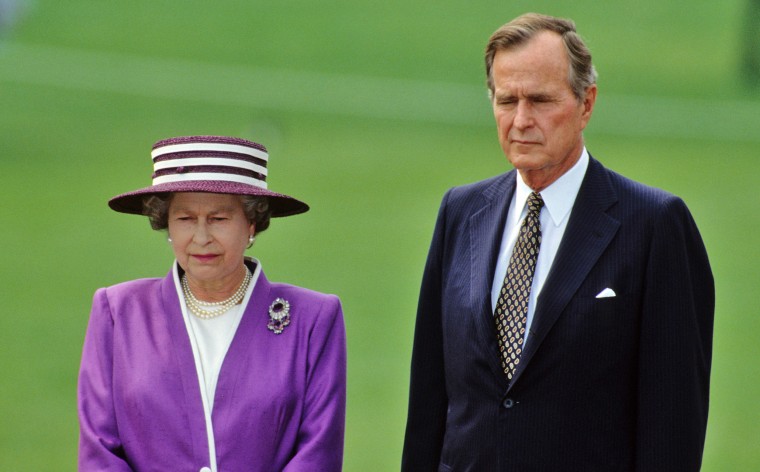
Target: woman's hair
point(582, 73)
point(156, 208)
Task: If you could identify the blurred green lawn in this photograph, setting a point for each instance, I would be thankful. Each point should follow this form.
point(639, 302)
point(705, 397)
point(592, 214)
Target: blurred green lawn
point(371, 111)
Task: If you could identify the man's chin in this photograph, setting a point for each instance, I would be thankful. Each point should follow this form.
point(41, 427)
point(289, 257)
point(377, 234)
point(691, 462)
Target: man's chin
point(526, 161)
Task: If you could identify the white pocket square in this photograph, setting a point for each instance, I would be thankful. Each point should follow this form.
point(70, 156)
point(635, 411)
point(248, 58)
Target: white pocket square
point(606, 293)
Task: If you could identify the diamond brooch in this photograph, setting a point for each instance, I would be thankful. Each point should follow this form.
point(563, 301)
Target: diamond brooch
point(279, 315)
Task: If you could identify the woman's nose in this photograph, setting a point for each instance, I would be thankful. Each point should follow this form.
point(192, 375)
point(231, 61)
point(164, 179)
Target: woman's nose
point(202, 234)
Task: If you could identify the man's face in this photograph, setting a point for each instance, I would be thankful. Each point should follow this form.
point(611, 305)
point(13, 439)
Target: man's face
point(539, 120)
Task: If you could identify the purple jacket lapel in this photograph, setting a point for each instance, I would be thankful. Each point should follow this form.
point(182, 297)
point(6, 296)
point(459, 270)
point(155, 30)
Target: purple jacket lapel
point(252, 325)
point(183, 354)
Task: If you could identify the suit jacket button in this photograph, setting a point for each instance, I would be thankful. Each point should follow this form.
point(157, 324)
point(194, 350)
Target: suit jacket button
point(508, 403)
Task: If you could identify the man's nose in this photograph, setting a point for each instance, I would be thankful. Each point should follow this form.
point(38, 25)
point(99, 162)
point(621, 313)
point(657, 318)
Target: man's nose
point(523, 115)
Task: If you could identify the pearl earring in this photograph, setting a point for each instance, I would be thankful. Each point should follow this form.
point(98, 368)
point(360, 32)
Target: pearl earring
point(251, 239)
point(169, 239)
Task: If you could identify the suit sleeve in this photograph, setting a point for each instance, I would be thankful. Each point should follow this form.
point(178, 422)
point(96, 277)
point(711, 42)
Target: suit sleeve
point(675, 346)
point(100, 447)
point(321, 434)
point(428, 401)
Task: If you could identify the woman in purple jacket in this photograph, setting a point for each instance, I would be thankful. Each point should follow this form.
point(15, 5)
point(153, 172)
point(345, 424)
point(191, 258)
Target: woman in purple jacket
point(213, 367)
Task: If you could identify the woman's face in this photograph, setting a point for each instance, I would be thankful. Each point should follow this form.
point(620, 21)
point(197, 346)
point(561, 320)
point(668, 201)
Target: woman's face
point(209, 234)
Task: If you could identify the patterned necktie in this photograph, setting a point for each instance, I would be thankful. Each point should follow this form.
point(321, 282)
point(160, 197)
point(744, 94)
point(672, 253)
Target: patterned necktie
point(512, 307)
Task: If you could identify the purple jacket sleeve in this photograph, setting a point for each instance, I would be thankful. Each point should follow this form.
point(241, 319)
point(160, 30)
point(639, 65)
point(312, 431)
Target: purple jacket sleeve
point(100, 447)
point(320, 439)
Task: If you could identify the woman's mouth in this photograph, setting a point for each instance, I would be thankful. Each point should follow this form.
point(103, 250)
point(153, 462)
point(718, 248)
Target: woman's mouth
point(204, 257)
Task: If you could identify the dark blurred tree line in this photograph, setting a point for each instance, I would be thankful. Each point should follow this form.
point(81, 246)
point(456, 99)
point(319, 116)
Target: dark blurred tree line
point(751, 44)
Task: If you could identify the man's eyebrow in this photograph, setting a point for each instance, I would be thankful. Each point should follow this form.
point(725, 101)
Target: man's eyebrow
point(537, 96)
point(505, 96)
point(541, 97)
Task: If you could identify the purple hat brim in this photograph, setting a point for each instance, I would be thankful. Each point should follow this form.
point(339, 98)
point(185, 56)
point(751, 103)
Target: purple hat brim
point(280, 205)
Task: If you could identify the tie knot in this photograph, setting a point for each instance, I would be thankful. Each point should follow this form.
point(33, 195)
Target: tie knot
point(535, 202)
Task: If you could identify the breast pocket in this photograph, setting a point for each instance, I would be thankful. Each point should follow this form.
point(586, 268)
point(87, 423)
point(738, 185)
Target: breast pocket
point(601, 324)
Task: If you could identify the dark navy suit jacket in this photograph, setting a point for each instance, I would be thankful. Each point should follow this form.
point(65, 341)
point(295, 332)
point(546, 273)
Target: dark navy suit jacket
point(604, 384)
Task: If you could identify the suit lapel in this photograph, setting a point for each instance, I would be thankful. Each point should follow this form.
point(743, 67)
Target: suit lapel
point(486, 228)
point(588, 233)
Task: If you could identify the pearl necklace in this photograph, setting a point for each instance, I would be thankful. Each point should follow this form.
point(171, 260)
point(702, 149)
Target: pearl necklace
point(197, 306)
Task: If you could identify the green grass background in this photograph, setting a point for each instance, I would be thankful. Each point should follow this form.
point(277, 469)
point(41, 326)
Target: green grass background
point(371, 110)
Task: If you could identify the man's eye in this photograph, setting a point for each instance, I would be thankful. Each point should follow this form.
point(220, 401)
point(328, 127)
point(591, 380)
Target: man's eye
point(543, 99)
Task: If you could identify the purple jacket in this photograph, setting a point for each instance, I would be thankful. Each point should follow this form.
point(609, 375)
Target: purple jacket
point(280, 398)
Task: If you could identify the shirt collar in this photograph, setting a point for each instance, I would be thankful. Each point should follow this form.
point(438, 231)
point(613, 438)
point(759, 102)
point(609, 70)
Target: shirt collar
point(559, 197)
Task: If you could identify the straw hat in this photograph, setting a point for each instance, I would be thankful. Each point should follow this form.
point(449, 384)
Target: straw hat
point(214, 164)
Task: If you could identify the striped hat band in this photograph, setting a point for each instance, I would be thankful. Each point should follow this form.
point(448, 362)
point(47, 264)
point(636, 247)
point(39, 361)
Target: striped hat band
point(209, 161)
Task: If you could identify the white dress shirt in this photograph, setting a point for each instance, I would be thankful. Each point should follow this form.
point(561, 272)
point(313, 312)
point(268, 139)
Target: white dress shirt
point(559, 198)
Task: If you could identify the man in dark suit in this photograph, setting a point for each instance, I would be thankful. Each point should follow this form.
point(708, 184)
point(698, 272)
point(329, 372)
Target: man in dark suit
point(566, 312)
